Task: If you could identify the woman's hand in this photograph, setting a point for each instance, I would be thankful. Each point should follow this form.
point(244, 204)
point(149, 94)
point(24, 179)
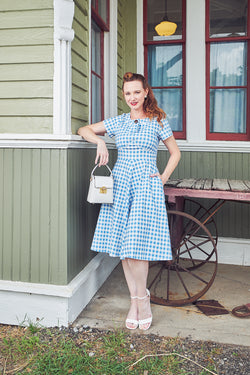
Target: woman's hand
point(163, 180)
point(102, 153)
point(91, 134)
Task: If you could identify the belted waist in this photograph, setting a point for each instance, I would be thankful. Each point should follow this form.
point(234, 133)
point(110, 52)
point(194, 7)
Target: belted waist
point(136, 153)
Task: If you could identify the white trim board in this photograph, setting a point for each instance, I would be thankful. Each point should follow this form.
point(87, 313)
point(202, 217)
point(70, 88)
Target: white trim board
point(49, 141)
point(233, 251)
point(53, 305)
point(75, 141)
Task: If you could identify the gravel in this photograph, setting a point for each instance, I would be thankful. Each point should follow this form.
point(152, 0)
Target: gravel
point(193, 355)
point(227, 359)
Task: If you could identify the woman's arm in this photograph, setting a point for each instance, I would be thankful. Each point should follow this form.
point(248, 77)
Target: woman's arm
point(91, 134)
point(173, 161)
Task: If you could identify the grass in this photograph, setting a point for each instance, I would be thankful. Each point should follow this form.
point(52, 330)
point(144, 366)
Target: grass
point(37, 351)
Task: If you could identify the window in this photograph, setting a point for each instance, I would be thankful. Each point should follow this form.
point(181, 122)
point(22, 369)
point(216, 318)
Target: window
point(228, 47)
point(100, 23)
point(165, 60)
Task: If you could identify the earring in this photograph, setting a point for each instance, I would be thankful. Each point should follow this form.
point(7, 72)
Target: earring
point(145, 97)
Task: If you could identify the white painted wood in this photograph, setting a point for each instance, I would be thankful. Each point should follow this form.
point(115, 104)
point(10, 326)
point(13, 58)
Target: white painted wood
point(110, 64)
point(53, 305)
point(140, 47)
point(63, 36)
point(212, 146)
point(63, 19)
point(48, 141)
point(195, 71)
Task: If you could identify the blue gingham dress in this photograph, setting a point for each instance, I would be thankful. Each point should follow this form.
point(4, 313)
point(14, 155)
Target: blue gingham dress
point(136, 224)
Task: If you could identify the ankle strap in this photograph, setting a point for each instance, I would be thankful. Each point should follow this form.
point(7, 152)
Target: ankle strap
point(134, 297)
point(146, 296)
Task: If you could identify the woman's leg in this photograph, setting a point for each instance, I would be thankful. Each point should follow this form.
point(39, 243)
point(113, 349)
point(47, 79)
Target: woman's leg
point(136, 273)
point(133, 311)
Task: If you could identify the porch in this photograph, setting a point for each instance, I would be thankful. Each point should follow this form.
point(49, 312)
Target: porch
point(108, 309)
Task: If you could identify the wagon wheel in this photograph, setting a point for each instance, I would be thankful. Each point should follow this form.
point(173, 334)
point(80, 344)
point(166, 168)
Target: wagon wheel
point(182, 280)
point(203, 214)
point(198, 211)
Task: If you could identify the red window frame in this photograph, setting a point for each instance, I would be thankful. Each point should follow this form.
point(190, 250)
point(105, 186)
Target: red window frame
point(97, 17)
point(103, 27)
point(226, 136)
point(182, 41)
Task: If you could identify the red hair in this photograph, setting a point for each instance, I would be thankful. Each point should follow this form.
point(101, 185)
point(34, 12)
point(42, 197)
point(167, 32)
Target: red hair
point(150, 105)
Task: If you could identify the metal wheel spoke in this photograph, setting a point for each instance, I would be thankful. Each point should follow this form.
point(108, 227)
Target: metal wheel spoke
point(168, 283)
point(190, 255)
point(183, 284)
point(193, 274)
point(156, 276)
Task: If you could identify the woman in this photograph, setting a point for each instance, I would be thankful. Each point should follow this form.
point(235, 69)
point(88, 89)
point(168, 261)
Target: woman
point(135, 226)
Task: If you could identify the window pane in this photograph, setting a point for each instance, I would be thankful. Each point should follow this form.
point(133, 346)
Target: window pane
point(95, 48)
point(102, 10)
point(96, 99)
point(156, 10)
point(165, 65)
point(170, 100)
point(228, 18)
point(228, 64)
point(228, 110)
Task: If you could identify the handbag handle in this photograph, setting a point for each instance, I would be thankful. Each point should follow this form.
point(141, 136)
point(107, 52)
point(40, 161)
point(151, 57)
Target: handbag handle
point(93, 170)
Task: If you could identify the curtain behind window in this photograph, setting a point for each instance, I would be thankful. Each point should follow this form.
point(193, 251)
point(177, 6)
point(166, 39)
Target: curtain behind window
point(228, 97)
point(165, 77)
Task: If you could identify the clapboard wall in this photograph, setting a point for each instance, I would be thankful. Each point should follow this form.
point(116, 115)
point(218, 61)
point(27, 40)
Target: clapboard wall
point(80, 66)
point(26, 66)
point(126, 46)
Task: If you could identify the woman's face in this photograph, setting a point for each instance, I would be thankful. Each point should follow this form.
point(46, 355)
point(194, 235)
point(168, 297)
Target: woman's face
point(134, 94)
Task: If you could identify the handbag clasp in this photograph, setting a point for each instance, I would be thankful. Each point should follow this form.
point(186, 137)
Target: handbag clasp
point(103, 190)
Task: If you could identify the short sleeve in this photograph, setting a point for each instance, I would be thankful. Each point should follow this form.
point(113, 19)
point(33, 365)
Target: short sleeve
point(165, 131)
point(111, 125)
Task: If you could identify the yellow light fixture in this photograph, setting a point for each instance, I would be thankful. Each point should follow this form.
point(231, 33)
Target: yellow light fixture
point(165, 28)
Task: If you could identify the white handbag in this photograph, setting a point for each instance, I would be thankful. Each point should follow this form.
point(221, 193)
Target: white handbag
point(101, 188)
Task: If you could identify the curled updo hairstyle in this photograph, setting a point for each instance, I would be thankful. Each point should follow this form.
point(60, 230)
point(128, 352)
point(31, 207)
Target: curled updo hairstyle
point(150, 105)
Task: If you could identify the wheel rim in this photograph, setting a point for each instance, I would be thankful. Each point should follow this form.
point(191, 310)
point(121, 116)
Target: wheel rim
point(192, 270)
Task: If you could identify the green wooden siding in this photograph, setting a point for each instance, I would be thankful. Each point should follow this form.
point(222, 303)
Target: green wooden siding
point(80, 66)
point(82, 216)
point(33, 215)
point(46, 224)
point(126, 46)
point(233, 220)
point(26, 66)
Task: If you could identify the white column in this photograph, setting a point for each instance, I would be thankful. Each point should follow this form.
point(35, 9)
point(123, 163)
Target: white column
point(140, 47)
point(195, 71)
point(63, 36)
point(110, 64)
